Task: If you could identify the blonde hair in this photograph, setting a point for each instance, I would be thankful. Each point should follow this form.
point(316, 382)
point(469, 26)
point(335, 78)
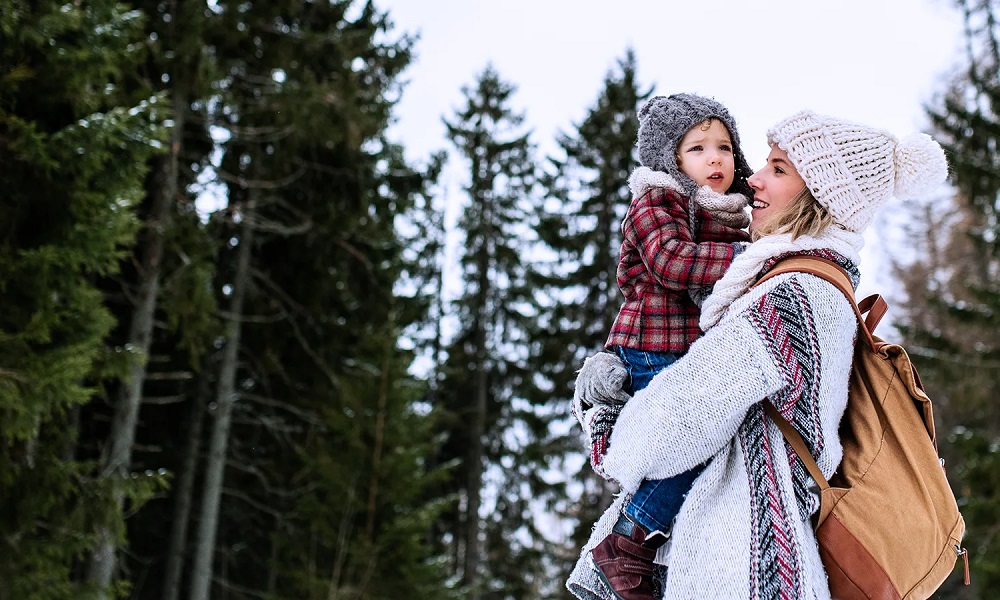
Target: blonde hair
point(804, 215)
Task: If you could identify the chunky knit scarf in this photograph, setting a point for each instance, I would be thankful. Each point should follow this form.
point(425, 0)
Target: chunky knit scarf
point(762, 254)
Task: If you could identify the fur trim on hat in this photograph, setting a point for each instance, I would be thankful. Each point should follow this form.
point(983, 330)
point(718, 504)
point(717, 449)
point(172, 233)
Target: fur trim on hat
point(728, 209)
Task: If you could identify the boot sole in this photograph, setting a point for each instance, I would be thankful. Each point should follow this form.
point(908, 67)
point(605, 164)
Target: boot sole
point(604, 579)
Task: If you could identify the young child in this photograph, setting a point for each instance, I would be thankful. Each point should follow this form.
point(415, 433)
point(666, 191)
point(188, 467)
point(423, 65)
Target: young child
point(680, 234)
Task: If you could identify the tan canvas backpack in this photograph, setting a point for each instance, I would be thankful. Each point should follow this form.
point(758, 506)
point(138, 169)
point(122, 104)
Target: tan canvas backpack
point(888, 525)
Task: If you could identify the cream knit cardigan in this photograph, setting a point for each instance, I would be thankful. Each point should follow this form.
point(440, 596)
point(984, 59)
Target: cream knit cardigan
point(744, 530)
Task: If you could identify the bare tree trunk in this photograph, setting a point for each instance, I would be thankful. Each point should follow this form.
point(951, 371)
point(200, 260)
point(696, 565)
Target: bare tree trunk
point(117, 456)
point(433, 391)
point(272, 573)
point(225, 398)
point(373, 488)
point(184, 494)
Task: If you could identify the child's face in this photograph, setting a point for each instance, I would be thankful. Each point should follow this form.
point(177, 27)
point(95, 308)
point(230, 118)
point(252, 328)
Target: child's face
point(705, 154)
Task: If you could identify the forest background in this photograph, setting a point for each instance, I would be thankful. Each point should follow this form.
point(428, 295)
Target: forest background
point(228, 365)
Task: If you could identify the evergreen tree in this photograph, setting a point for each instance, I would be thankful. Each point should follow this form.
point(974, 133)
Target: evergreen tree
point(953, 308)
point(491, 533)
point(424, 238)
point(175, 67)
point(314, 482)
point(587, 188)
point(74, 145)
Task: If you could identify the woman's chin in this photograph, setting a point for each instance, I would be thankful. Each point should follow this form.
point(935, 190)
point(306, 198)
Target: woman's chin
point(756, 221)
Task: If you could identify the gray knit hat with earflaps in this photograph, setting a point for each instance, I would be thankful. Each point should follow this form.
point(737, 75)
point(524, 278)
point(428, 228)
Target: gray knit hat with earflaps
point(664, 120)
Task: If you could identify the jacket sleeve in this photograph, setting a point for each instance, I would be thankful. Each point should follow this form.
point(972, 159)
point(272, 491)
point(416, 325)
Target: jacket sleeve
point(691, 410)
point(657, 226)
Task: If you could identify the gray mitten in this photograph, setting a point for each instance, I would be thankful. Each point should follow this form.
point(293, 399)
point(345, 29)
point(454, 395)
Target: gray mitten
point(600, 381)
point(727, 209)
point(597, 401)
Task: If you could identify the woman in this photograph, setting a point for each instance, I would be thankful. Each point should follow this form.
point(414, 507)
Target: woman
point(744, 529)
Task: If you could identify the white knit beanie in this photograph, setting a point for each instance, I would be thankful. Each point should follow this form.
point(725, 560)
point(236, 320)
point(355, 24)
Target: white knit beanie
point(853, 169)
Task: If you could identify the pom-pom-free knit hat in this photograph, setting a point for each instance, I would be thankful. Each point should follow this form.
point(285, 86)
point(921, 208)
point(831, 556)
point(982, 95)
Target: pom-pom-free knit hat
point(664, 120)
point(853, 169)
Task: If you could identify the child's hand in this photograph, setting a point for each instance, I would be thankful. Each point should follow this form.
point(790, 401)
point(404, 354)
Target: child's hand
point(597, 400)
point(600, 381)
point(727, 209)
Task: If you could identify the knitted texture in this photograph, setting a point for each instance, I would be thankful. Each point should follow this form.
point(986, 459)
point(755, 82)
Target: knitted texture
point(598, 425)
point(600, 381)
point(663, 121)
point(598, 398)
point(747, 267)
point(744, 530)
point(853, 169)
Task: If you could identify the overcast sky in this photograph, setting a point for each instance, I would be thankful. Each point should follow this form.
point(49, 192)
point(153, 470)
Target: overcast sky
point(872, 61)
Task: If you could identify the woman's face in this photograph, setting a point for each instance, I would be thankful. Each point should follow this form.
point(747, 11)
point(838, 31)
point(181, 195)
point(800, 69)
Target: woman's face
point(774, 187)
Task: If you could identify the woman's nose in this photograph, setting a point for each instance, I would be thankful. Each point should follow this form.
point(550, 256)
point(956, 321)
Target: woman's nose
point(754, 181)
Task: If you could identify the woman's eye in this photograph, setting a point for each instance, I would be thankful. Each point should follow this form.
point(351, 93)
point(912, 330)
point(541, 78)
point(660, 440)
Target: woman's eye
point(779, 171)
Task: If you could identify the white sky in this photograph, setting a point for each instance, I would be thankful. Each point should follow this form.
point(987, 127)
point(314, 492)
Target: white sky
point(872, 61)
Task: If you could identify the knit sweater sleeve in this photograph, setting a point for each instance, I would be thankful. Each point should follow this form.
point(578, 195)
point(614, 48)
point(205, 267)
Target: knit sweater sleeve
point(691, 410)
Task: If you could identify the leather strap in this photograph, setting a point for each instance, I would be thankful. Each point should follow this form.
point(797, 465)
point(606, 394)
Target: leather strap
point(826, 269)
point(874, 305)
point(797, 443)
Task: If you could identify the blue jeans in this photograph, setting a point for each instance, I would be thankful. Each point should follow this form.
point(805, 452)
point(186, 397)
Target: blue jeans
point(657, 501)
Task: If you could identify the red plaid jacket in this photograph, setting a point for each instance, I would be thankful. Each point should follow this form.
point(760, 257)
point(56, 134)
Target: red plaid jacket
point(660, 262)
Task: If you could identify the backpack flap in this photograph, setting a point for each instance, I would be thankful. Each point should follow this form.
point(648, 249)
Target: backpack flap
point(910, 378)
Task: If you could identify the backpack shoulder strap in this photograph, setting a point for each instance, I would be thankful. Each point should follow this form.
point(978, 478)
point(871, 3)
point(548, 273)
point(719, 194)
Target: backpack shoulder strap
point(797, 443)
point(826, 269)
point(874, 305)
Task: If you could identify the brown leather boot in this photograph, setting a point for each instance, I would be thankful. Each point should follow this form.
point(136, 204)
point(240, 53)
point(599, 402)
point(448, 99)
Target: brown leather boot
point(625, 563)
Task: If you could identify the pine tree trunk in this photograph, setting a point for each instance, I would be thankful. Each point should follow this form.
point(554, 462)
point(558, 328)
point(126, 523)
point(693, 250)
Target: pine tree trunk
point(379, 443)
point(225, 398)
point(473, 545)
point(117, 456)
point(184, 495)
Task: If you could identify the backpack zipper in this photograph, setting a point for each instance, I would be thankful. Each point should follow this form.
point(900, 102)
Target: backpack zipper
point(964, 553)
